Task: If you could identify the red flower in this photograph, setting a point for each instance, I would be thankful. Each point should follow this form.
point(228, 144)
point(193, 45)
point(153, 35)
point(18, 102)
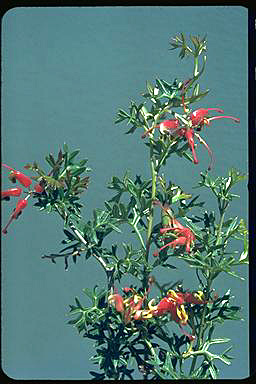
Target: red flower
point(19, 207)
point(173, 304)
point(185, 236)
point(170, 305)
point(130, 307)
point(118, 302)
point(17, 175)
point(38, 188)
point(194, 297)
point(198, 117)
point(177, 311)
point(189, 134)
point(176, 296)
point(11, 192)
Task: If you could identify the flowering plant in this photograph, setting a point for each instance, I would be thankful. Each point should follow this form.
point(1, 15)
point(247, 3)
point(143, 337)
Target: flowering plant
point(135, 331)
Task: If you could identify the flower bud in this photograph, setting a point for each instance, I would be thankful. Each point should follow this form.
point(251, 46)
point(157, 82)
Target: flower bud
point(11, 192)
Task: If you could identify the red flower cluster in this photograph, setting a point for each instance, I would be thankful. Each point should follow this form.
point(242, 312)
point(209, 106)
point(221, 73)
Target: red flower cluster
point(174, 304)
point(198, 119)
point(16, 192)
point(184, 236)
point(130, 306)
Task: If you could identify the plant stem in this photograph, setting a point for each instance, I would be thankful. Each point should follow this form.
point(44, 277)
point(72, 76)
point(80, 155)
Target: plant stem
point(153, 196)
point(208, 287)
point(196, 66)
point(139, 236)
point(222, 214)
point(162, 159)
point(202, 325)
point(134, 226)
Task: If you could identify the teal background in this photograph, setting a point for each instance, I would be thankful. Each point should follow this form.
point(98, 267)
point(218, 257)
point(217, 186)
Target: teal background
point(65, 73)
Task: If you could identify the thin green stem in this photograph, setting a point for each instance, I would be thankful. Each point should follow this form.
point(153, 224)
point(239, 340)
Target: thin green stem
point(196, 66)
point(139, 236)
point(153, 196)
point(222, 214)
point(202, 326)
point(208, 287)
point(163, 157)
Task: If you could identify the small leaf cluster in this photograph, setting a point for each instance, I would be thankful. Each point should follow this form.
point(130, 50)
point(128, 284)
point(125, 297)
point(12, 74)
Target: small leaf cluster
point(179, 41)
point(139, 193)
point(221, 186)
point(63, 184)
point(87, 316)
point(220, 310)
point(74, 250)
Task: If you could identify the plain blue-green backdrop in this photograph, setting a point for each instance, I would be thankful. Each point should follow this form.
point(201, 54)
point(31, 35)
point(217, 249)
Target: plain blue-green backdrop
point(65, 73)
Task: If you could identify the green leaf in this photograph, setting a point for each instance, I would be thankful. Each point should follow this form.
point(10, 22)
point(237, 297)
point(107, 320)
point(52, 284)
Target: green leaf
point(65, 148)
point(234, 274)
point(114, 227)
point(217, 341)
point(49, 161)
point(52, 182)
point(196, 90)
point(70, 235)
point(73, 154)
point(169, 266)
point(244, 257)
point(78, 303)
point(88, 293)
point(97, 376)
point(213, 372)
point(232, 227)
point(150, 88)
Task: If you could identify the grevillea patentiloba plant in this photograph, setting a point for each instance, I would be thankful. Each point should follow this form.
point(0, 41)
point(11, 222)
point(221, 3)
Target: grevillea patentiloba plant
point(168, 335)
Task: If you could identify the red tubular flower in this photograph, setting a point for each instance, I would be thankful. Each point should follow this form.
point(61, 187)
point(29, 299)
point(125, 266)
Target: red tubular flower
point(11, 192)
point(118, 302)
point(177, 311)
point(194, 297)
point(171, 126)
point(21, 204)
point(17, 175)
point(38, 188)
point(127, 289)
point(173, 306)
point(130, 307)
point(198, 117)
point(185, 236)
point(174, 303)
point(189, 134)
point(19, 207)
point(165, 305)
point(178, 297)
